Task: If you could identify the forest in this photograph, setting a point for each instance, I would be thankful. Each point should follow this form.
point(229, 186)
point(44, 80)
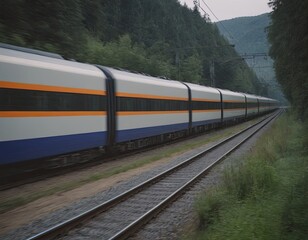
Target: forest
point(157, 37)
point(288, 35)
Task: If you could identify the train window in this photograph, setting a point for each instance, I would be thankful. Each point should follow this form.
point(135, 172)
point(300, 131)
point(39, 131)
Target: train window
point(201, 105)
point(144, 104)
point(234, 105)
point(264, 104)
point(252, 104)
point(30, 100)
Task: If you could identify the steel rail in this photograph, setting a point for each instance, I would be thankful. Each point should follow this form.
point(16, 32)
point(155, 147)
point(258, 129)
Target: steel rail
point(136, 225)
point(69, 224)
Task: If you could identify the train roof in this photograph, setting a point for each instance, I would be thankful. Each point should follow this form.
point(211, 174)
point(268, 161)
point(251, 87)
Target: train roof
point(231, 93)
point(32, 51)
point(142, 78)
point(197, 87)
point(46, 62)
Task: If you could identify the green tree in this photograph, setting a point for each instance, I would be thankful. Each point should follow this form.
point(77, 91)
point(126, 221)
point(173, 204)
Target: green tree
point(56, 23)
point(14, 24)
point(94, 17)
point(289, 37)
point(191, 69)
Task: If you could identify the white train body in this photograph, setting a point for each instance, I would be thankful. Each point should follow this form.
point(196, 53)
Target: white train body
point(234, 105)
point(252, 104)
point(142, 105)
point(36, 121)
point(206, 105)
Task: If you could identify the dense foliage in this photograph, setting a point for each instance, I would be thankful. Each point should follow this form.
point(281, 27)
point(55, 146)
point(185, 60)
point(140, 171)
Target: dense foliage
point(159, 37)
point(289, 37)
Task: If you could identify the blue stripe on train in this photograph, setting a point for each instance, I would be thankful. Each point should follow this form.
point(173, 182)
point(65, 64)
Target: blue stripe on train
point(28, 149)
point(199, 123)
point(234, 117)
point(132, 134)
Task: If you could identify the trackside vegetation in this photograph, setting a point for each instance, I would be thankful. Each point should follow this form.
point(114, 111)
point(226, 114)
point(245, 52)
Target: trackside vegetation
point(264, 196)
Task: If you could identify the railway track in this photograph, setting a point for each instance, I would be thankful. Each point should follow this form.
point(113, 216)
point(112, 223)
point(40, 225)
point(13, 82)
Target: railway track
point(122, 216)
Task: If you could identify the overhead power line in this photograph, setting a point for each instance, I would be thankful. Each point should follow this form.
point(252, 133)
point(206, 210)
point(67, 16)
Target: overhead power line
point(263, 67)
point(210, 10)
point(254, 55)
point(208, 7)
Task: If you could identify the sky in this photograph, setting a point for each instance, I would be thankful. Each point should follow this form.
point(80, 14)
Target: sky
point(227, 9)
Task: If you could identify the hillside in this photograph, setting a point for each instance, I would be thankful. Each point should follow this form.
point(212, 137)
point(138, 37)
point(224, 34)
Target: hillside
point(249, 34)
point(158, 37)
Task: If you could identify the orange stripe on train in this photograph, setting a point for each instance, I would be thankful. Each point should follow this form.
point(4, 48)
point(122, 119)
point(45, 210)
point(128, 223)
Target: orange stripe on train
point(207, 110)
point(149, 96)
point(206, 100)
point(233, 101)
point(130, 113)
point(235, 109)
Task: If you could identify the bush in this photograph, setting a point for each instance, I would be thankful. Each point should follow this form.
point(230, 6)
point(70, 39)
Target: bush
point(208, 207)
point(249, 179)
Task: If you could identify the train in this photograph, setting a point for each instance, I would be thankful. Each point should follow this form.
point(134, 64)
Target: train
point(51, 106)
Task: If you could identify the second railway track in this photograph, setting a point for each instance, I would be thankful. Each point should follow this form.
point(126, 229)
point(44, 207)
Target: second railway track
point(125, 214)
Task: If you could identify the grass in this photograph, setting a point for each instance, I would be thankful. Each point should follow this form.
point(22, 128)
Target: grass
point(17, 201)
point(264, 197)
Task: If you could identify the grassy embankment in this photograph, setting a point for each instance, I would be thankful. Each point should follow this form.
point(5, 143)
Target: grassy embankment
point(264, 197)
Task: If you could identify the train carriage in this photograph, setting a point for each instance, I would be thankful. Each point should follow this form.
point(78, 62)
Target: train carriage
point(148, 106)
point(264, 104)
point(252, 105)
point(274, 104)
point(49, 106)
point(234, 105)
point(205, 105)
